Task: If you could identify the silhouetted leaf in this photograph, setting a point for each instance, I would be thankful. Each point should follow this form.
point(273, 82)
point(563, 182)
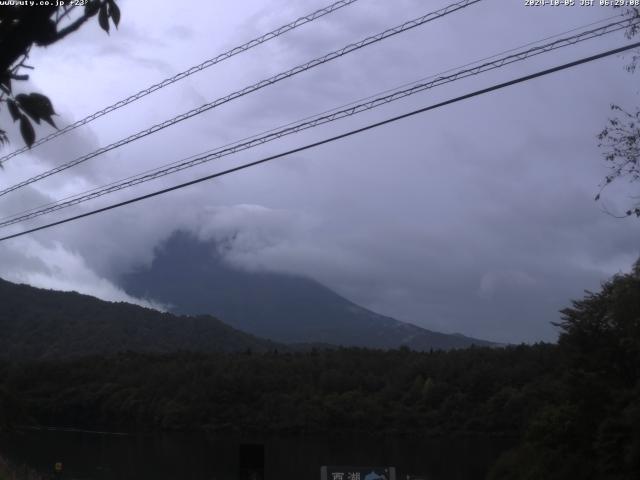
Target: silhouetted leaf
point(28, 107)
point(26, 129)
point(103, 18)
point(37, 106)
point(13, 110)
point(44, 105)
point(46, 32)
point(114, 12)
point(91, 8)
point(50, 121)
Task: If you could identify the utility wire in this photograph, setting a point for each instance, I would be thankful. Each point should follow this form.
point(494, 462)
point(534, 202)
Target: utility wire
point(179, 76)
point(102, 187)
point(353, 109)
point(255, 141)
point(331, 139)
point(257, 86)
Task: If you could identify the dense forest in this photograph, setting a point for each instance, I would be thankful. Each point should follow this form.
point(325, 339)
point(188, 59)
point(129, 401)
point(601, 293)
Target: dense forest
point(463, 391)
point(47, 324)
point(590, 427)
point(575, 405)
point(39, 324)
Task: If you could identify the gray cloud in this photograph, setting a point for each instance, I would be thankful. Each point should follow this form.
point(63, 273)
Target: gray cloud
point(57, 268)
point(477, 218)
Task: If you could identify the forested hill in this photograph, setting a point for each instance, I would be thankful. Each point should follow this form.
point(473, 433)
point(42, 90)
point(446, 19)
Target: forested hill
point(194, 278)
point(575, 405)
point(44, 324)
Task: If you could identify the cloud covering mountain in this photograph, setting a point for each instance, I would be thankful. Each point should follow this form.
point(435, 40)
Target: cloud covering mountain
point(476, 218)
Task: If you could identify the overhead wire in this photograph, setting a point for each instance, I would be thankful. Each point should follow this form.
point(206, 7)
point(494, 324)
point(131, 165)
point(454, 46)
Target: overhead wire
point(454, 7)
point(186, 73)
point(314, 121)
point(331, 139)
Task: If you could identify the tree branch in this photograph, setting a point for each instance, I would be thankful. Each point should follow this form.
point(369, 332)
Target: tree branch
point(73, 26)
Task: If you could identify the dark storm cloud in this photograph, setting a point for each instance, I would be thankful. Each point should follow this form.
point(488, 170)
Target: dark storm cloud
point(478, 218)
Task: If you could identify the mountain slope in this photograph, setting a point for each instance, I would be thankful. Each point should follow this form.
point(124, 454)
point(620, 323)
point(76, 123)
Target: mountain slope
point(37, 324)
point(192, 278)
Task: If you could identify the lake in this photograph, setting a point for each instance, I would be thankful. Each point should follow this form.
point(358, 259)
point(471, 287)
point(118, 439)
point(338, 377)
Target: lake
point(199, 456)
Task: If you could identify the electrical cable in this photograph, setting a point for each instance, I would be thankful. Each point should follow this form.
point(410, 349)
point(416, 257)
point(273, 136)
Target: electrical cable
point(245, 91)
point(186, 73)
point(330, 139)
point(315, 121)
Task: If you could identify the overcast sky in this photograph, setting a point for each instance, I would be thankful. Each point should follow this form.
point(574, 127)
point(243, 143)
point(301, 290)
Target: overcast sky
point(475, 218)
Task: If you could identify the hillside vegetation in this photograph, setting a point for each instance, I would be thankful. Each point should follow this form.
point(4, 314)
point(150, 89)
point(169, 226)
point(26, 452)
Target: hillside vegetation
point(575, 406)
point(46, 324)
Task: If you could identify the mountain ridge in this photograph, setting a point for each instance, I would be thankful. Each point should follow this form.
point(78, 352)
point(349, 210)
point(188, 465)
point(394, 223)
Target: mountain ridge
point(37, 324)
point(193, 278)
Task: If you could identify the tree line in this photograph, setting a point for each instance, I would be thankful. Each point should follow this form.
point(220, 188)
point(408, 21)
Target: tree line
point(573, 406)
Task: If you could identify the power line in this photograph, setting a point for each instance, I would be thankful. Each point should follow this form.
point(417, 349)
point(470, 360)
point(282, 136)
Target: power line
point(257, 86)
point(603, 20)
point(373, 102)
point(332, 139)
point(186, 73)
point(294, 128)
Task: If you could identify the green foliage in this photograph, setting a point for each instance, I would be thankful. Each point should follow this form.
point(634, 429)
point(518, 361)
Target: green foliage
point(601, 332)
point(332, 390)
point(22, 27)
point(11, 410)
point(591, 429)
point(575, 405)
point(620, 139)
point(37, 323)
point(37, 106)
point(9, 471)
